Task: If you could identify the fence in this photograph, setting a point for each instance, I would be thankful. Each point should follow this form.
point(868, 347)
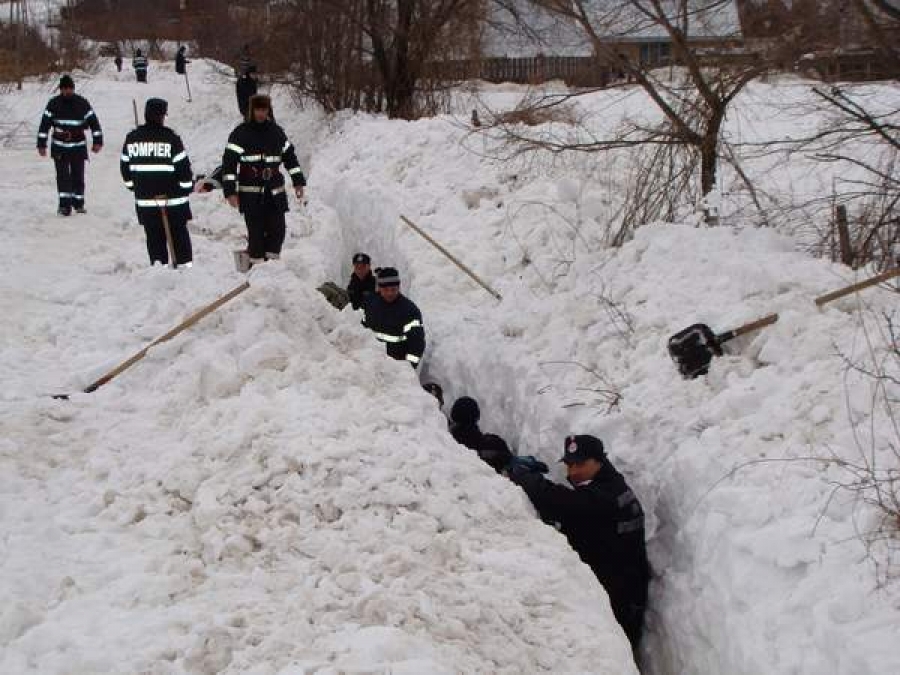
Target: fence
point(577, 71)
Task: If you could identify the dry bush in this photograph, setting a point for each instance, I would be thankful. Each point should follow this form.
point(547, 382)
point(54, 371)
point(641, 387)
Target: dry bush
point(536, 115)
point(24, 54)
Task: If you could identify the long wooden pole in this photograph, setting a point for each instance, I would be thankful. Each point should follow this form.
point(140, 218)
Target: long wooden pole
point(452, 258)
point(187, 323)
point(134, 108)
point(170, 243)
point(852, 288)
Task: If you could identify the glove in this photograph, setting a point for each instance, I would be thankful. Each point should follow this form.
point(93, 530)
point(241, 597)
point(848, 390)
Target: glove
point(530, 463)
point(525, 470)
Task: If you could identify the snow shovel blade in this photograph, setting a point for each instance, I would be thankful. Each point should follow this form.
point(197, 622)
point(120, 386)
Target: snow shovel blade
point(693, 348)
point(241, 261)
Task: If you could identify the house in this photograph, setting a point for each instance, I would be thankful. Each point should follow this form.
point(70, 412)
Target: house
point(524, 32)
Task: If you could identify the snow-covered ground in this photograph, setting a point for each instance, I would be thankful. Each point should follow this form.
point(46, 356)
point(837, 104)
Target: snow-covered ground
point(268, 494)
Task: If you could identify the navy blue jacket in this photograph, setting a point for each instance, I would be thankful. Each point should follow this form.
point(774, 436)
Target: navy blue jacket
point(155, 164)
point(604, 523)
point(398, 324)
point(251, 163)
point(69, 117)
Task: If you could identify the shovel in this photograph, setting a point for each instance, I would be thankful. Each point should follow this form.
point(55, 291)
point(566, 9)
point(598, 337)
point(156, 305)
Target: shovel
point(693, 348)
point(187, 323)
point(170, 243)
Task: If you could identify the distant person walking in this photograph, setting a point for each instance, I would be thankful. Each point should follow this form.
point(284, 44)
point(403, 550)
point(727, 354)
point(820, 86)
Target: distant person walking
point(139, 63)
point(246, 87)
point(245, 61)
point(118, 62)
point(69, 115)
point(253, 183)
point(155, 166)
point(181, 61)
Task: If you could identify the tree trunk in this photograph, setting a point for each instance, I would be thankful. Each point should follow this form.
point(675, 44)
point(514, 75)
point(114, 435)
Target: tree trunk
point(709, 152)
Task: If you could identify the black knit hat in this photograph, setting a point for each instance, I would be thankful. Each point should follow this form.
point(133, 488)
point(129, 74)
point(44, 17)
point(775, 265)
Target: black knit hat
point(66, 82)
point(465, 411)
point(361, 259)
point(155, 109)
point(388, 276)
point(579, 448)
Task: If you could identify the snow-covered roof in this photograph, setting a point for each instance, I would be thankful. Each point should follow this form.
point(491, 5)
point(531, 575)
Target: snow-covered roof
point(539, 31)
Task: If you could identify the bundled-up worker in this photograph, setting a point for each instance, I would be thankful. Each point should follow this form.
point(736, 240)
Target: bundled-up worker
point(492, 449)
point(395, 319)
point(253, 183)
point(245, 87)
point(603, 521)
point(69, 115)
point(362, 281)
point(155, 166)
point(181, 61)
point(139, 63)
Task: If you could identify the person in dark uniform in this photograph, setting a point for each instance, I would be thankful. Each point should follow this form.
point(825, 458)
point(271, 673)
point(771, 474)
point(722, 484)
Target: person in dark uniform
point(603, 521)
point(464, 416)
point(69, 116)
point(245, 62)
point(181, 61)
point(155, 166)
point(118, 62)
point(139, 63)
point(253, 183)
point(362, 281)
point(395, 319)
point(245, 88)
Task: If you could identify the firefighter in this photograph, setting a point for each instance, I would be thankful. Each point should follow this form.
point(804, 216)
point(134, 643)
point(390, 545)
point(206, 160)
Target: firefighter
point(181, 61)
point(395, 319)
point(245, 62)
point(69, 115)
point(252, 182)
point(155, 166)
point(602, 519)
point(139, 63)
point(362, 281)
point(245, 87)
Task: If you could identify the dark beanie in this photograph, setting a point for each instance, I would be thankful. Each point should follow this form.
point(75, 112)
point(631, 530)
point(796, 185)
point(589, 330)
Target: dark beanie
point(66, 82)
point(361, 259)
point(465, 411)
point(388, 276)
point(155, 109)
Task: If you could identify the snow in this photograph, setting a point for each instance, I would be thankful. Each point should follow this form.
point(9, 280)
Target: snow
point(268, 494)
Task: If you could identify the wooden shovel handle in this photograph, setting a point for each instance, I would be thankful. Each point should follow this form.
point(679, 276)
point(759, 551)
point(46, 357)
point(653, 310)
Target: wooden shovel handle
point(748, 328)
point(170, 243)
point(847, 290)
point(187, 323)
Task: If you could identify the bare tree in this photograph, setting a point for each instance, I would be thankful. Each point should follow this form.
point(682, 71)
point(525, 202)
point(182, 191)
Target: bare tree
point(376, 55)
point(693, 99)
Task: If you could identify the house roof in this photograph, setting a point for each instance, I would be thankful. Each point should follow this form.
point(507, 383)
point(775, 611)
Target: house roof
point(538, 31)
